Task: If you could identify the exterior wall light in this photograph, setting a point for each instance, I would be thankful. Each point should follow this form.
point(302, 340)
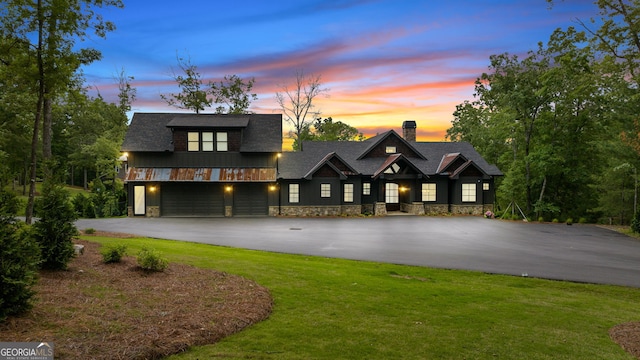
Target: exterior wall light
point(228, 188)
point(272, 188)
point(152, 189)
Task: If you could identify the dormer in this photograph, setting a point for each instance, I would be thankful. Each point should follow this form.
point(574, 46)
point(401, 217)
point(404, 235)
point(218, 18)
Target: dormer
point(208, 133)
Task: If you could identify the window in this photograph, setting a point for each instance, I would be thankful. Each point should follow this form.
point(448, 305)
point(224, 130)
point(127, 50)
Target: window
point(485, 186)
point(294, 193)
point(193, 141)
point(429, 192)
point(391, 193)
point(468, 192)
point(390, 149)
point(207, 141)
point(348, 192)
point(366, 189)
point(222, 143)
point(325, 190)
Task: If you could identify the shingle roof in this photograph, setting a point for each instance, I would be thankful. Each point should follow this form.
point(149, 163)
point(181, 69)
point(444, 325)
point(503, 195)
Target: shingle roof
point(151, 132)
point(294, 165)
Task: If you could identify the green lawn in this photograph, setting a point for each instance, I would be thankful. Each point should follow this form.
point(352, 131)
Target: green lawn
point(340, 309)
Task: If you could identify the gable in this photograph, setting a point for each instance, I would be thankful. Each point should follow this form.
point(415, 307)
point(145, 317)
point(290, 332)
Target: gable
point(397, 164)
point(331, 166)
point(390, 143)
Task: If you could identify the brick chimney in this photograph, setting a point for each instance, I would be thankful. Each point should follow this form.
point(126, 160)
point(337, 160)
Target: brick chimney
point(409, 130)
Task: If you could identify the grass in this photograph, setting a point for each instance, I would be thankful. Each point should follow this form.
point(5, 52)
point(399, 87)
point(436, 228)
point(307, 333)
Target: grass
point(332, 308)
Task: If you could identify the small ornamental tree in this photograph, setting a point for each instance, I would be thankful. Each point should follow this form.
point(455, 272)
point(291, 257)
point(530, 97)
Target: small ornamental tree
point(19, 258)
point(56, 228)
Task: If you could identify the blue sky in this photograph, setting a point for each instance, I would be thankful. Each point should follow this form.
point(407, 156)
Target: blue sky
point(383, 61)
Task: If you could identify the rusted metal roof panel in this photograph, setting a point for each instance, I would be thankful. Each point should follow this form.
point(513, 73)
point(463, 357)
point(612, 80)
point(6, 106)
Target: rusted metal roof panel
point(202, 174)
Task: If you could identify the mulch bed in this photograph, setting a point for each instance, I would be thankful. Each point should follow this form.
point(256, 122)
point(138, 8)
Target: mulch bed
point(628, 336)
point(117, 311)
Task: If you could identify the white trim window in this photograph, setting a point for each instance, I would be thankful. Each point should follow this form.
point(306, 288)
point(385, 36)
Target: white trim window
point(348, 193)
point(366, 188)
point(193, 141)
point(325, 190)
point(294, 193)
point(207, 141)
point(485, 186)
point(428, 192)
point(222, 141)
point(469, 192)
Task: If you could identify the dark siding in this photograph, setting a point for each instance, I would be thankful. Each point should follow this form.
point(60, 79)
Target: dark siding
point(180, 140)
point(401, 147)
point(192, 199)
point(310, 192)
point(326, 171)
point(202, 159)
point(234, 137)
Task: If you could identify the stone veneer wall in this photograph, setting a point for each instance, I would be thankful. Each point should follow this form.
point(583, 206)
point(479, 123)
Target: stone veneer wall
point(470, 209)
point(416, 208)
point(380, 209)
point(152, 211)
point(436, 209)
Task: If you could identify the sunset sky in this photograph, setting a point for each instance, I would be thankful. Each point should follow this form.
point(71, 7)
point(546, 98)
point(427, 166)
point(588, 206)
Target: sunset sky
point(383, 61)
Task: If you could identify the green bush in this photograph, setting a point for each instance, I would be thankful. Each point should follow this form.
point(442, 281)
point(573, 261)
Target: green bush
point(19, 259)
point(55, 229)
point(89, 231)
point(113, 253)
point(569, 221)
point(151, 260)
point(583, 220)
point(540, 219)
point(635, 223)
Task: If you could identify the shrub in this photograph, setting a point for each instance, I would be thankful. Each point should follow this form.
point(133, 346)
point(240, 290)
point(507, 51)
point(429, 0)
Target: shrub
point(89, 231)
point(113, 253)
point(19, 259)
point(583, 220)
point(569, 221)
point(55, 229)
point(635, 223)
point(555, 220)
point(151, 260)
point(540, 219)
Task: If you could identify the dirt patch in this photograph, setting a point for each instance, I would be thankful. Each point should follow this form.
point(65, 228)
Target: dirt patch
point(628, 336)
point(117, 311)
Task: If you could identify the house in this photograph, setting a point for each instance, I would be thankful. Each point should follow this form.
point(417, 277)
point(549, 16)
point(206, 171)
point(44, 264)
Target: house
point(232, 165)
point(202, 164)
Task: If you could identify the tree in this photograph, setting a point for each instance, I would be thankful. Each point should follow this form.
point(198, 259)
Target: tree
point(233, 94)
point(54, 27)
point(126, 93)
point(19, 258)
point(55, 229)
point(194, 94)
point(296, 102)
point(327, 130)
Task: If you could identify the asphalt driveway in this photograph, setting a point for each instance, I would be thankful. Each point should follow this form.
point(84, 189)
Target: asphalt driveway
point(583, 253)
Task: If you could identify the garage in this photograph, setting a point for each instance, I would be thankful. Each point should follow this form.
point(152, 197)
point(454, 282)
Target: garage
point(250, 199)
point(192, 199)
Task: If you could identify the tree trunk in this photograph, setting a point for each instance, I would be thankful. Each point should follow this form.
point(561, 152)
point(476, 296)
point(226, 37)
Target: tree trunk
point(38, 116)
point(46, 127)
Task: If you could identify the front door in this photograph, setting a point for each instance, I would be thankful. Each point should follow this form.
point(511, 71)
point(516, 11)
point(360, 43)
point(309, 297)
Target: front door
point(391, 197)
